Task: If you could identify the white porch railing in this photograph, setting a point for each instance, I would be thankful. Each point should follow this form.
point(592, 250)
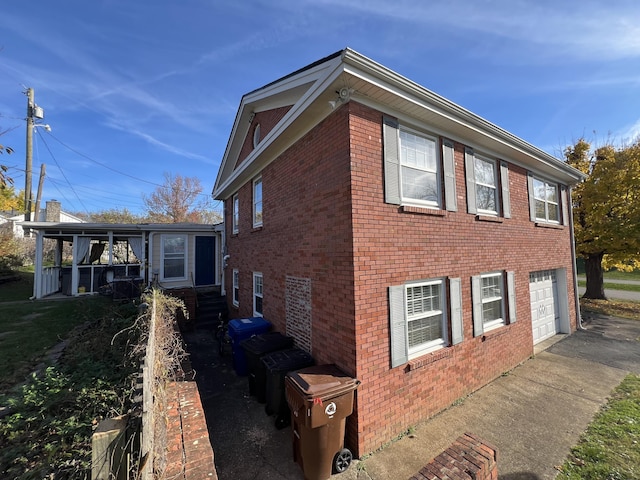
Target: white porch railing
point(92, 277)
point(50, 280)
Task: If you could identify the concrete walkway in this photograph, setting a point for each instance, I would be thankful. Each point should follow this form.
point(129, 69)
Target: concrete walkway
point(533, 414)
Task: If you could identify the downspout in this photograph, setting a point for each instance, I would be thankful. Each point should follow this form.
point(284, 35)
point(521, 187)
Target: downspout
point(575, 268)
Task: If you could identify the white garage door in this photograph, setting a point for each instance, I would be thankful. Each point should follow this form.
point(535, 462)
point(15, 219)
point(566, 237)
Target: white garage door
point(545, 315)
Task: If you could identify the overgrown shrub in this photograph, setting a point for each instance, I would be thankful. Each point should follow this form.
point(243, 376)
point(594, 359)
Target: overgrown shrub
point(48, 435)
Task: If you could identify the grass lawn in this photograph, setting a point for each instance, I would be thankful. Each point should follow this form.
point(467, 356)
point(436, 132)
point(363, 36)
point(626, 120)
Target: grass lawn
point(18, 290)
point(610, 448)
point(611, 274)
point(29, 328)
point(616, 275)
point(614, 286)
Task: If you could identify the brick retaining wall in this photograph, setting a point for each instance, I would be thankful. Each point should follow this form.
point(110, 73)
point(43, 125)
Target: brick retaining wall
point(189, 452)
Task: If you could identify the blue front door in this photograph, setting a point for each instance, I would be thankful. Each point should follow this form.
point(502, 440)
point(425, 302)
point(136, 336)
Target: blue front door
point(205, 260)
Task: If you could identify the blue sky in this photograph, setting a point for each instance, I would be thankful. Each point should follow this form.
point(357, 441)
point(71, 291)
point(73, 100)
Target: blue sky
point(134, 89)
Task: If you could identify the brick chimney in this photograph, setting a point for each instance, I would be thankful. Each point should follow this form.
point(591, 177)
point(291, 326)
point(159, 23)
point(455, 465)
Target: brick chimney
point(52, 211)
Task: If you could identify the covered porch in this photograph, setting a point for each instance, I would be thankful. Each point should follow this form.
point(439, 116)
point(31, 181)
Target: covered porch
point(76, 259)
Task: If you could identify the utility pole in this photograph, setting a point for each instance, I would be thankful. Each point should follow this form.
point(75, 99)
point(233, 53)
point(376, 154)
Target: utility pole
point(27, 172)
point(39, 194)
point(34, 113)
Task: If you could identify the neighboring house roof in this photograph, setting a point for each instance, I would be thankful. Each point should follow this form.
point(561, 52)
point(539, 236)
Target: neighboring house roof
point(122, 228)
point(315, 90)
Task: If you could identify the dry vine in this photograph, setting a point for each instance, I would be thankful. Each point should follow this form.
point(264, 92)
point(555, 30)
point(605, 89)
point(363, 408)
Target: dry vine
point(164, 354)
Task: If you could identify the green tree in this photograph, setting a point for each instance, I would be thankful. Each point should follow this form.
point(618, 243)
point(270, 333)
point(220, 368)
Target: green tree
point(606, 209)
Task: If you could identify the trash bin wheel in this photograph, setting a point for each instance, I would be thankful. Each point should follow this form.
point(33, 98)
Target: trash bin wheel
point(342, 460)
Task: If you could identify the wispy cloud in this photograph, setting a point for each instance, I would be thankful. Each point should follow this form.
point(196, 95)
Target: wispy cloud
point(585, 29)
point(631, 133)
point(162, 145)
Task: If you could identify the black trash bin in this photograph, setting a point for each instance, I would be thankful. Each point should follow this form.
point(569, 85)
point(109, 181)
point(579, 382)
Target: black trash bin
point(320, 399)
point(277, 365)
point(255, 348)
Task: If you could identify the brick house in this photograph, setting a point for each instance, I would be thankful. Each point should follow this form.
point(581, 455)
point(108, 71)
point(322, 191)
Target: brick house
point(416, 245)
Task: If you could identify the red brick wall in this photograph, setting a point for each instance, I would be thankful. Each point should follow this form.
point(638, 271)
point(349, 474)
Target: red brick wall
point(267, 120)
point(325, 219)
point(306, 234)
point(391, 248)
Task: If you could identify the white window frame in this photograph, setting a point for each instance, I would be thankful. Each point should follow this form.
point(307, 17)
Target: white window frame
point(452, 316)
point(478, 182)
point(534, 198)
point(405, 164)
point(430, 345)
point(257, 202)
point(258, 292)
point(235, 280)
point(173, 256)
point(507, 298)
point(235, 213)
point(502, 194)
point(498, 322)
point(445, 169)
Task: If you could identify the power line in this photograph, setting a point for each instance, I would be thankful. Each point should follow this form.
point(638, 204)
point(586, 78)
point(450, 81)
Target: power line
point(100, 163)
point(62, 172)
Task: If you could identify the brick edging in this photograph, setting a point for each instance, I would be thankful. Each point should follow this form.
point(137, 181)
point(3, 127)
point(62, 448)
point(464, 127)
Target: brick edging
point(189, 451)
point(468, 458)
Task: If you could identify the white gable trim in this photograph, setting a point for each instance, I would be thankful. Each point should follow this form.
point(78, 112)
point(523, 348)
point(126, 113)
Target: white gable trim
point(248, 168)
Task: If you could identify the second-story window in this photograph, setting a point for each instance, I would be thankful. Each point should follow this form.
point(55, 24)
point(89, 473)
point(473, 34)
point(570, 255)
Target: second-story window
point(546, 201)
point(419, 170)
point(487, 185)
point(235, 219)
point(257, 202)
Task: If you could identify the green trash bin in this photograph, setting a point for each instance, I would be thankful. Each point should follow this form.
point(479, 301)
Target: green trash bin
point(320, 399)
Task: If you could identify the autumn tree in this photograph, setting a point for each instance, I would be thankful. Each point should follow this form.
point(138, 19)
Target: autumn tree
point(10, 200)
point(606, 209)
point(179, 199)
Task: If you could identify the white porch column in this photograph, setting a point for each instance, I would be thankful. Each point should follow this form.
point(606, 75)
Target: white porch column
point(111, 248)
point(37, 272)
point(75, 275)
point(143, 260)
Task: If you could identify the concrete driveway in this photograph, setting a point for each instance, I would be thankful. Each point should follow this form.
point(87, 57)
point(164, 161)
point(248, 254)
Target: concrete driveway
point(534, 414)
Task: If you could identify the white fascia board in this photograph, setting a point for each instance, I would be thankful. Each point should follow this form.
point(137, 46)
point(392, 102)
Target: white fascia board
point(248, 167)
point(247, 107)
point(412, 92)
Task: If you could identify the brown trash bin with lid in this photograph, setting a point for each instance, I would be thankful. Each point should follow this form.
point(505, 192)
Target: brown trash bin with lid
point(320, 399)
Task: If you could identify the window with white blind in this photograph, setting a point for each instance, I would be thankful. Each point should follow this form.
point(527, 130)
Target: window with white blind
point(494, 304)
point(419, 316)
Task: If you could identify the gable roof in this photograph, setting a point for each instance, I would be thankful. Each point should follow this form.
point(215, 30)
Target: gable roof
point(315, 90)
